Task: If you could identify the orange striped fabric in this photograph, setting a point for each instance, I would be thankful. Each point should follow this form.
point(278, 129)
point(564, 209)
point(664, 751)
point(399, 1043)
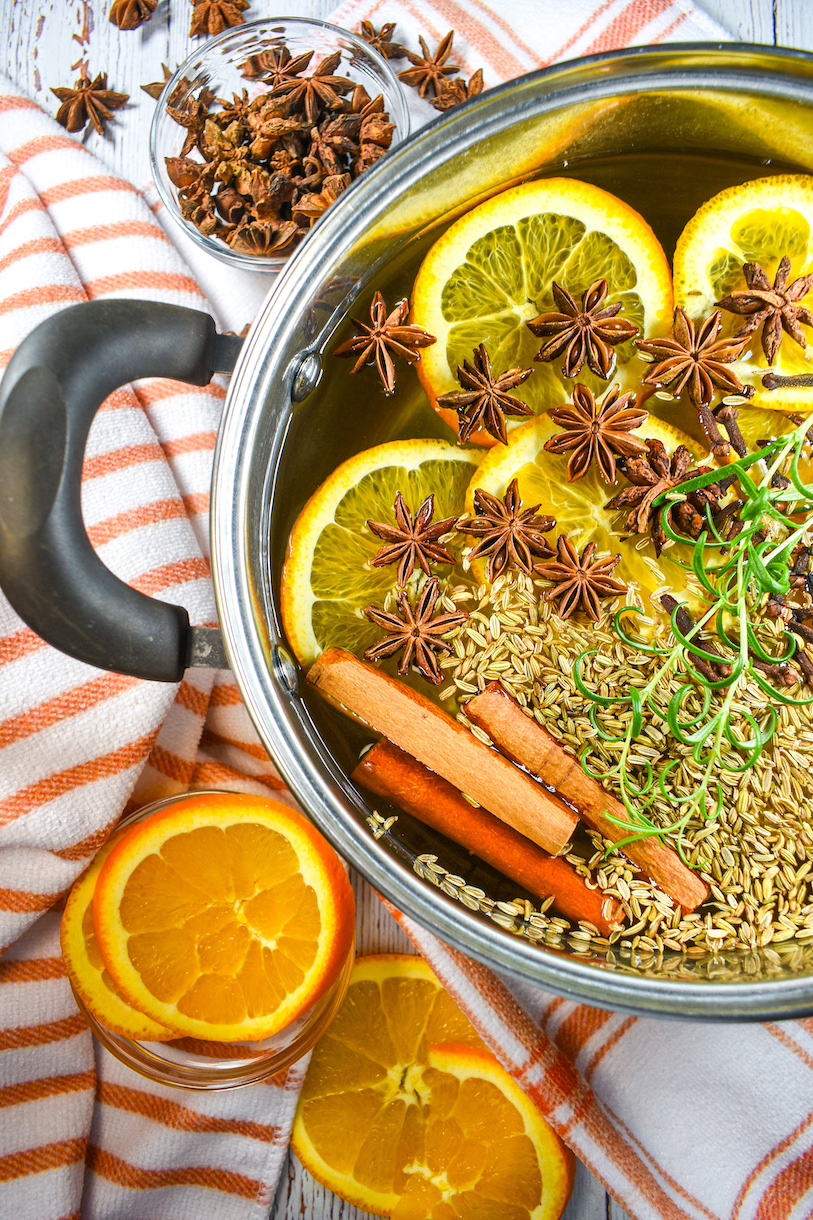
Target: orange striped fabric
point(79, 747)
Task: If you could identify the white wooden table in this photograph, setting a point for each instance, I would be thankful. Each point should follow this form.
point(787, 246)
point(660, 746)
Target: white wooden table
point(43, 40)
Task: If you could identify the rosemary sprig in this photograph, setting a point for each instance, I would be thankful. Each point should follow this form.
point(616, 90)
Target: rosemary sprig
point(734, 575)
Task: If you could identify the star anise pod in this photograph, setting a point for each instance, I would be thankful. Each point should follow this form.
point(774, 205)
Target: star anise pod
point(156, 87)
point(694, 359)
point(192, 115)
point(388, 336)
point(453, 92)
point(775, 307)
point(214, 16)
point(309, 208)
point(416, 632)
point(657, 473)
point(382, 41)
point(580, 581)
point(428, 71)
point(586, 333)
point(311, 93)
point(412, 540)
point(276, 66)
point(484, 400)
point(88, 100)
point(597, 430)
point(130, 14)
point(510, 534)
point(263, 237)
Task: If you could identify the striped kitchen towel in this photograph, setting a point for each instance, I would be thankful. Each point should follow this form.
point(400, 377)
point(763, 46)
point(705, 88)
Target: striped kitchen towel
point(80, 1134)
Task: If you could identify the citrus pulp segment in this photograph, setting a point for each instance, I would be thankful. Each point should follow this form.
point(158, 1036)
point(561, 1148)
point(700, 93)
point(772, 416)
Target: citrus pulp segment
point(224, 917)
point(759, 221)
point(327, 579)
point(492, 272)
point(85, 966)
point(404, 1109)
point(579, 507)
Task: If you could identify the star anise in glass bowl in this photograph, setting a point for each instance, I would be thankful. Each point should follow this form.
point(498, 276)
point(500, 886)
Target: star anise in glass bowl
point(281, 116)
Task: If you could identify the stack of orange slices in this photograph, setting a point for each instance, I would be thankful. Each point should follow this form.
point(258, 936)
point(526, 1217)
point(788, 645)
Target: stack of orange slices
point(222, 917)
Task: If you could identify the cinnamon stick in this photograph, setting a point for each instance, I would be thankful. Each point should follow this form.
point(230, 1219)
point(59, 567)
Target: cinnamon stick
point(389, 772)
point(524, 740)
point(448, 748)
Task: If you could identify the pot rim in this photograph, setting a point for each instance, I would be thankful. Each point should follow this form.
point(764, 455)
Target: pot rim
point(267, 372)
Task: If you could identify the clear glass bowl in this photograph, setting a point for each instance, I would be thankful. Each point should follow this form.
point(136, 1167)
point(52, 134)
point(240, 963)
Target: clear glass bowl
point(192, 1063)
point(217, 65)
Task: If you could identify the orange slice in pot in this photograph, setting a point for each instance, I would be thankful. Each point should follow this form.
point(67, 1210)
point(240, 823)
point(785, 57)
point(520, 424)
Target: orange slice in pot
point(492, 271)
point(327, 579)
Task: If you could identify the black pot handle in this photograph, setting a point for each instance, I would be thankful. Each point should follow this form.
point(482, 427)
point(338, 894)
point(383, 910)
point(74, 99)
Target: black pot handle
point(54, 384)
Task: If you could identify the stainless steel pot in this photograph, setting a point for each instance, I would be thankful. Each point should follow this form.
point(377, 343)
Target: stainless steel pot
point(715, 101)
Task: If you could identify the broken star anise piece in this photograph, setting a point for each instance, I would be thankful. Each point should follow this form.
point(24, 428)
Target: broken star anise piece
point(412, 540)
point(382, 41)
point(130, 14)
point(417, 633)
point(428, 71)
point(510, 534)
point(582, 333)
point(453, 92)
point(311, 93)
point(599, 431)
point(655, 474)
point(88, 100)
point(775, 307)
point(214, 16)
point(484, 399)
point(388, 336)
point(580, 581)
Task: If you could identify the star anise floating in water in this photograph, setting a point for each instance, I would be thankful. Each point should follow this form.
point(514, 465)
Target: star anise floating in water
point(416, 632)
point(428, 71)
point(412, 540)
point(214, 16)
point(651, 477)
point(775, 307)
point(130, 14)
point(508, 533)
point(88, 100)
point(388, 336)
point(695, 360)
point(484, 400)
point(597, 431)
point(586, 333)
point(579, 581)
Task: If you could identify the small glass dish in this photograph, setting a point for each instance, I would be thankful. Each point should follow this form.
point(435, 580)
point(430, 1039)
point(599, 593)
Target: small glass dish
point(218, 66)
point(194, 1063)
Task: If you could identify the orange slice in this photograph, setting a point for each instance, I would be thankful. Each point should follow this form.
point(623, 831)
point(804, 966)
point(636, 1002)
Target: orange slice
point(759, 221)
point(405, 1113)
point(327, 579)
point(223, 917)
point(86, 969)
point(491, 272)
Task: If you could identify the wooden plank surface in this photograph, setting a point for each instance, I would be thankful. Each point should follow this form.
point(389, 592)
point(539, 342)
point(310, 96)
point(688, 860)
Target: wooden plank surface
point(44, 42)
